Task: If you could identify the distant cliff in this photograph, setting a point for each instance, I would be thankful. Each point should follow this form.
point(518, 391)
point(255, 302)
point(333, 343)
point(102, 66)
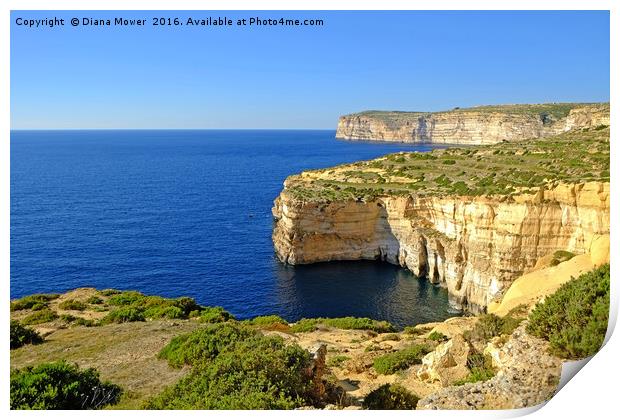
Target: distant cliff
point(478, 125)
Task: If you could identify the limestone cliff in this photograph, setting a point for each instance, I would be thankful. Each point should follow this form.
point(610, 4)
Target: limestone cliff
point(478, 125)
point(474, 246)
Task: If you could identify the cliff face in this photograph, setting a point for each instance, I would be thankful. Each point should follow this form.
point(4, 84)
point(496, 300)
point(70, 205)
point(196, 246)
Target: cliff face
point(474, 246)
point(482, 125)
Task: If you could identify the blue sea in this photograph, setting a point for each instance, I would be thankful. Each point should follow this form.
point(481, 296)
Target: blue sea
point(188, 213)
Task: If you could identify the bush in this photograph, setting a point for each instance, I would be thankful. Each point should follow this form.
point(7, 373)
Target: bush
point(72, 305)
point(560, 256)
point(39, 317)
point(168, 312)
point(236, 367)
point(126, 298)
point(28, 302)
point(118, 316)
point(268, 321)
point(490, 325)
point(204, 344)
point(215, 314)
point(390, 397)
point(94, 300)
point(60, 386)
point(346, 323)
point(21, 335)
point(574, 319)
point(399, 360)
point(480, 369)
point(437, 336)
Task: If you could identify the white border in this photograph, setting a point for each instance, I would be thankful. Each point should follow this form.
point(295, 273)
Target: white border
point(592, 394)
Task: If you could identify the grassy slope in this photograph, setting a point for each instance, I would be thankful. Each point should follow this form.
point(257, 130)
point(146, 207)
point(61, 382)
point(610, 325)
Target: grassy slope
point(504, 168)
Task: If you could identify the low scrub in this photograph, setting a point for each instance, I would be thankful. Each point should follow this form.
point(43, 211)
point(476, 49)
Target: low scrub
point(401, 359)
point(490, 325)
point(21, 335)
point(118, 316)
point(236, 367)
point(346, 323)
point(27, 302)
point(135, 306)
point(390, 397)
point(574, 319)
point(40, 317)
point(60, 386)
point(215, 314)
point(72, 305)
point(480, 369)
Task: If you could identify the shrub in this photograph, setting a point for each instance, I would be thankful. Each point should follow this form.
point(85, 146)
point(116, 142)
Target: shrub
point(126, 298)
point(399, 360)
point(84, 322)
point(345, 323)
point(574, 318)
point(480, 369)
point(490, 325)
point(267, 321)
point(168, 312)
point(39, 317)
point(437, 336)
point(21, 335)
point(236, 367)
point(118, 316)
point(214, 314)
point(390, 397)
point(28, 302)
point(72, 305)
point(561, 256)
point(60, 386)
point(390, 337)
point(204, 344)
point(94, 300)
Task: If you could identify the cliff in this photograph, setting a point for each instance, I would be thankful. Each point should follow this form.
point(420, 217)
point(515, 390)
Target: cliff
point(478, 125)
point(474, 228)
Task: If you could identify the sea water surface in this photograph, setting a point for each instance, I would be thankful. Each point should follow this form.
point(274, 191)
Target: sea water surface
point(188, 213)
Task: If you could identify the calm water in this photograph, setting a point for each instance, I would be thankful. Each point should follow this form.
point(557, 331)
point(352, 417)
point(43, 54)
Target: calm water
point(188, 212)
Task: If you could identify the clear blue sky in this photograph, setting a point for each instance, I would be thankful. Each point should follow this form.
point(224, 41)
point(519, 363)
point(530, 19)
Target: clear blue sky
point(304, 77)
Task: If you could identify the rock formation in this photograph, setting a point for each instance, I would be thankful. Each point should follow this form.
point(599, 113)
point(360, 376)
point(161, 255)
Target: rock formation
point(479, 125)
point(474, 246)
point(527, 376)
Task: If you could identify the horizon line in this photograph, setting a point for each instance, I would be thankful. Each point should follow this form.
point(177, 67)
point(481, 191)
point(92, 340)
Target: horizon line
point(159, 128)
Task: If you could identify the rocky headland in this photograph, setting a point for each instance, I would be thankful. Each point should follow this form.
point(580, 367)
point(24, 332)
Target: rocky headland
point(470, 219)
point(477, 125)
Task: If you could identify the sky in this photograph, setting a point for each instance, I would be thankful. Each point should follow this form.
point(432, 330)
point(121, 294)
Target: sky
point(298, 77)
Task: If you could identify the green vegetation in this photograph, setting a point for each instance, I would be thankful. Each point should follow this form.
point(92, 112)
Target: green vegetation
point(215, 314)
point(235, 367)
point(337, 360)
point(480, 369)
point(39, 317)
point(560, 257)
point(401, 359)
point(21, 335)
point(72, 305)
point(120, 315)
point(490, 325)
point(28, 302)
point(60, 386)
point(390, 397)
point(574, 319)
point(437, 336)
point(268, 322)
point(346, 323)
point(508, 168)
point(94, 300)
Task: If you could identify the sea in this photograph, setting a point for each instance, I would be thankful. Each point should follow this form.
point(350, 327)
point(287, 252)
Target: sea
point(188, 213)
